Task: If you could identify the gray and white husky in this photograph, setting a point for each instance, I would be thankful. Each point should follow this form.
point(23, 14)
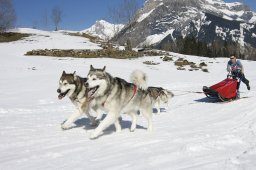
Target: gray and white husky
point(114, 96)
point(158, 95)
point(73, 86)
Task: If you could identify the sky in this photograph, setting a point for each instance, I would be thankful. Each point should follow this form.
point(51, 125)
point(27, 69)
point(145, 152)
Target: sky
point(77, 15)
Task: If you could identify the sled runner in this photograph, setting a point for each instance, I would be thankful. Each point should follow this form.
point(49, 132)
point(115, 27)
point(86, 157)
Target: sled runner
point(225, 90)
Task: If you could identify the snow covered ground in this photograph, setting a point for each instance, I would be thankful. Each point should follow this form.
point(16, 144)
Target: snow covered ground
point(192, 134)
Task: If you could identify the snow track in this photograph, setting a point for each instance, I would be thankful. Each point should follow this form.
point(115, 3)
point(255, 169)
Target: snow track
point(193, 133)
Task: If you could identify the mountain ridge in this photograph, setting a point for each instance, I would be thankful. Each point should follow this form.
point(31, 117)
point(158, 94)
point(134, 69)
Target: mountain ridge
point(207, 20)
point(103, 29)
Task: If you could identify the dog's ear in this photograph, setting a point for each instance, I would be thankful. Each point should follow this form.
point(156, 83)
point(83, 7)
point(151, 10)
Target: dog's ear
point(74, 75)
point(91, 68)
point(104, 68)
point(63, 73)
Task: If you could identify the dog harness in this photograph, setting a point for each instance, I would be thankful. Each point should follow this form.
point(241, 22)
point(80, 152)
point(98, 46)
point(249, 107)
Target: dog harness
point(134, 92)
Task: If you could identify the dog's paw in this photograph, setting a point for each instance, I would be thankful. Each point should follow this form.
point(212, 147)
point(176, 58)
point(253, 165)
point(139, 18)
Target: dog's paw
point(158, 112)
point(118, 130)
point(64, 126)
point(93, 135)
point(132, 130)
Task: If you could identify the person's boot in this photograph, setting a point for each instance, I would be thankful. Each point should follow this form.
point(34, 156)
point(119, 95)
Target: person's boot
point(248, 86)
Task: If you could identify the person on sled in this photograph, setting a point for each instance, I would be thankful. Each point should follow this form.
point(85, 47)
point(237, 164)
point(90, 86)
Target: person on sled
point(235, 68)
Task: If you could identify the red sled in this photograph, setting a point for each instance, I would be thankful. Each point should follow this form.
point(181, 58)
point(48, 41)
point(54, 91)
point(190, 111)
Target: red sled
point(225, 90)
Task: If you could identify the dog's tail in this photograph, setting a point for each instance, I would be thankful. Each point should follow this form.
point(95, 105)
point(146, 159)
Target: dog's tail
point(139, 78)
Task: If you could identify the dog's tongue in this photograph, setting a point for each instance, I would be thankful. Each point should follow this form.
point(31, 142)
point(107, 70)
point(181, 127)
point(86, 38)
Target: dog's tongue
point(90, 93)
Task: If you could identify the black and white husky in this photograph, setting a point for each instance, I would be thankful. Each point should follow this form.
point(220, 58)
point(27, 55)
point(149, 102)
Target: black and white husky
point(114, 96)
point(73, 86)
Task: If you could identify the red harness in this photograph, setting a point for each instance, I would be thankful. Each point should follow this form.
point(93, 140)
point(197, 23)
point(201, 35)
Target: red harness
point(134, 92)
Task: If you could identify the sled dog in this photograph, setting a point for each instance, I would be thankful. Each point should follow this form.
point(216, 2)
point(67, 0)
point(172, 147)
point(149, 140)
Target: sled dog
point(158, 94)
point(114, 96)
point(73, 86)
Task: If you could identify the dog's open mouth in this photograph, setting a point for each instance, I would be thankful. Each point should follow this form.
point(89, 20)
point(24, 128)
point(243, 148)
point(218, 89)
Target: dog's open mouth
point(91, 91)
point(61, 95)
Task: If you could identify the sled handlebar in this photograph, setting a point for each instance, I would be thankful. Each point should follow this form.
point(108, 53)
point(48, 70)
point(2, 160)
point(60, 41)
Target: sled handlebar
point(232, 76)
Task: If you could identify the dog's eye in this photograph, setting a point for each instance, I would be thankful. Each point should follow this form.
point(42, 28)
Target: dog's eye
point(94, 79)
point(65, 84)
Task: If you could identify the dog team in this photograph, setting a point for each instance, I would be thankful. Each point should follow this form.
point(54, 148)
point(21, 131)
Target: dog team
point(101, 92)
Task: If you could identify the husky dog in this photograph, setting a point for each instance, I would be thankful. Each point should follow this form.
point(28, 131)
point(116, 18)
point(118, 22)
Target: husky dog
point(73, 86)
point(160, 95)
point(114, 96)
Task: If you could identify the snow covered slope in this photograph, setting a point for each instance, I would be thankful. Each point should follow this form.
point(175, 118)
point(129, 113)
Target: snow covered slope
point(103, 29)
point(192, 134)
point(52, 40)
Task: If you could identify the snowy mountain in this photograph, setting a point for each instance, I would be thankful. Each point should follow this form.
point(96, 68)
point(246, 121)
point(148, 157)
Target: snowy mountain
point(103, 29)
point(163, 21)
point(193, 133)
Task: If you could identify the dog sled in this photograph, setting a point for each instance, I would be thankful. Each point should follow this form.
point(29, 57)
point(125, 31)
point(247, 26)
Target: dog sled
point(226, 90)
